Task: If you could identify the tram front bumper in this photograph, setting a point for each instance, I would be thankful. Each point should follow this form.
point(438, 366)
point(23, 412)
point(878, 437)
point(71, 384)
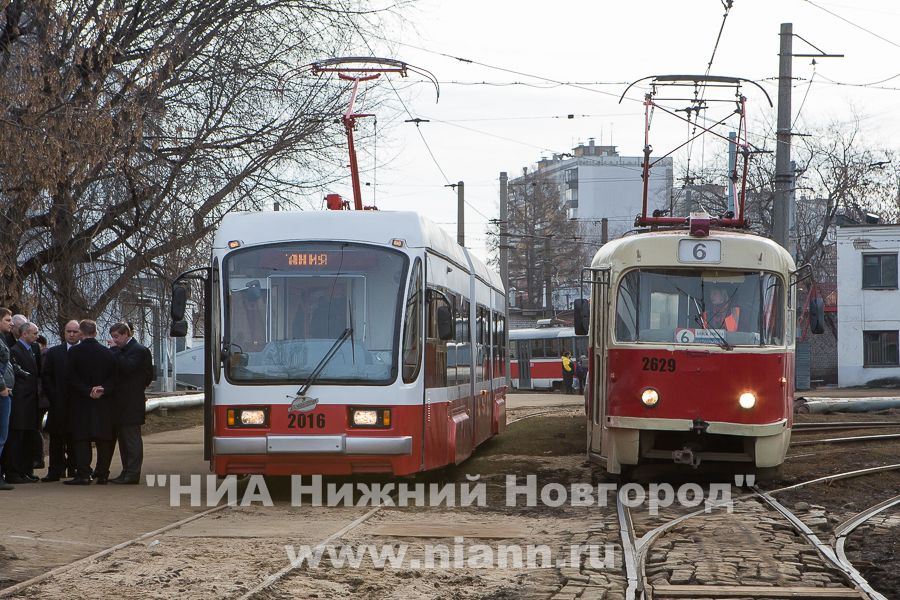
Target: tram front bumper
point(313, 444)
point(713, 427)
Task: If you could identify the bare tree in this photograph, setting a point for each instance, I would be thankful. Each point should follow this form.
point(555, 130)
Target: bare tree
point(544, 243)
point(128, 128)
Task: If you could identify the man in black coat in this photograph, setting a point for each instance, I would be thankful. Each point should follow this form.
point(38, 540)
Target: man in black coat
point(56, 385)
point(135, 373)
point(18, 455)
point(91, 372)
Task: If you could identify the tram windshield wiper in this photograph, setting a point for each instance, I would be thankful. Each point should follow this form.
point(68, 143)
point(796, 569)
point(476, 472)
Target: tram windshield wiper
point(328, 355)
point(722, 343)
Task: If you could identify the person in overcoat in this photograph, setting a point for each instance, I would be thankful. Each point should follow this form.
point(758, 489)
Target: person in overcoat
point(56, 386)
point(18, 455)
point(135, 368)
point(91, 372)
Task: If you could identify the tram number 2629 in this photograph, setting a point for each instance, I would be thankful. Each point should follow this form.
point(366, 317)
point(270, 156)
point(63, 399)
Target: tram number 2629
point(658, 364)
point(304, 421)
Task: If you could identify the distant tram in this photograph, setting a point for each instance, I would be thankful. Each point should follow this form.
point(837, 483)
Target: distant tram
point(535, 355)
point(342, 342)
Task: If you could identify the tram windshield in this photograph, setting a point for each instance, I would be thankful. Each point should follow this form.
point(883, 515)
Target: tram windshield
point(727, 308)
point(286, 305)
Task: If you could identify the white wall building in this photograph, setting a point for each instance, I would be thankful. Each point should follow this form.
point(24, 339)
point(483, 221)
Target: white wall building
point(868, 303)
point(597, 183)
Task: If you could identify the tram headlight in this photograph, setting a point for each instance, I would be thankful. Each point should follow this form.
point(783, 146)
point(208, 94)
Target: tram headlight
point(650, 397)
point(365, 417)
point(370, 417)
point(747, 400)
point(247, 417)
point(253, 417)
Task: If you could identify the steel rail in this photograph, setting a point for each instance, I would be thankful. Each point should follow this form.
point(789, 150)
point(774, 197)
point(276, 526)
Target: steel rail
point(803, 427)
point(844, 530)
point(848, 440)
point(630, 557)
point(545, 412)
point(278, 576)
point(825, 550)
point(836, 476)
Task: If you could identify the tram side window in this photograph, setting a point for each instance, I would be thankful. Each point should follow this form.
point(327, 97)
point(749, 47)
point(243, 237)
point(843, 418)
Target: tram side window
point(537, 348)
point(412, 334)
point(501, 342)
point(555, 349)
point(626, 308)
point(436, 350)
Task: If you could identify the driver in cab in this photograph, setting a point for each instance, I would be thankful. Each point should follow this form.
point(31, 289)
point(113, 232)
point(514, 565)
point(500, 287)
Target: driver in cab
point(720, 313)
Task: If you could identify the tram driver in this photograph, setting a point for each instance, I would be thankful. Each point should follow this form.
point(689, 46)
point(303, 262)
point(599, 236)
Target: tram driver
point(722, 312)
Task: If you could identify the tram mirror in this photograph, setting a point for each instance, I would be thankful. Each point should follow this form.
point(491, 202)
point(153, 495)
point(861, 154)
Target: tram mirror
point(444, 322)
point(817, 315)
point(178, 329)
point(179, 302)
point(582, 316)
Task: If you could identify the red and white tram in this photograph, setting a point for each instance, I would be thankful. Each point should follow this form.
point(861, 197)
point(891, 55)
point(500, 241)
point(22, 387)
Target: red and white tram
point(346, 342)
point(666, 380)
point(692, 324)
point(535, 355)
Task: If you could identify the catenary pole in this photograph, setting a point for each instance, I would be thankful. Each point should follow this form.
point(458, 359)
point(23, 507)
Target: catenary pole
point(781, 210)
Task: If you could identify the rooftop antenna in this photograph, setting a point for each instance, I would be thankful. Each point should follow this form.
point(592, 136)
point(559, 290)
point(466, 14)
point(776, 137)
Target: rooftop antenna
point(697, 102)
point(356, 70)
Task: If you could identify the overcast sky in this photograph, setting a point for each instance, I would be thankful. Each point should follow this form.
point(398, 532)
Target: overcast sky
point(489, 119)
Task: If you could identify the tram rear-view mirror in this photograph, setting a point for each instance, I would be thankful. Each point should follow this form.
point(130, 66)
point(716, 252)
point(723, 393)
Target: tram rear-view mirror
point(178, 329)
point(582, 316)
point(817, 315)
point(444, 322)
point(179, 302)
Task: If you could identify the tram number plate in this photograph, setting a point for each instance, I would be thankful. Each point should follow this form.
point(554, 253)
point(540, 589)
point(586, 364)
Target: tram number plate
point(306, 421)
point(700, 251)
point(662, 365)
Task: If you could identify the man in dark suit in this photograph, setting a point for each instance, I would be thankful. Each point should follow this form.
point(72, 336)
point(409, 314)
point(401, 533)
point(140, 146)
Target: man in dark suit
point(91, 372)
point(135, 373)
point(18, 455)
point(56, 386)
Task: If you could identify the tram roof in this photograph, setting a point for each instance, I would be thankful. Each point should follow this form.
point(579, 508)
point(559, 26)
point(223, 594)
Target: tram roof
point(660, 248)
point(369, 226)
point(542, 332)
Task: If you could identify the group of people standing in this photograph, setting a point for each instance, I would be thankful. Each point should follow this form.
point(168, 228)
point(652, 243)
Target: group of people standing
point(573, 370)
point(94, 394)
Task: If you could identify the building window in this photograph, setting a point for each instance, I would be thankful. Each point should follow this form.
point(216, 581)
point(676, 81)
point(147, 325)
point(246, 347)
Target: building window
point(880, 349)
point(879, 271)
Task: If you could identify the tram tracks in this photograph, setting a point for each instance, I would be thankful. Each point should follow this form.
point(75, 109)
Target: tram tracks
point(637, 549)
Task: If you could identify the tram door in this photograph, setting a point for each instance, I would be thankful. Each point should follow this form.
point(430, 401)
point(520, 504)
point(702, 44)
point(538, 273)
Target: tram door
point(600, 333)
point(523, 351)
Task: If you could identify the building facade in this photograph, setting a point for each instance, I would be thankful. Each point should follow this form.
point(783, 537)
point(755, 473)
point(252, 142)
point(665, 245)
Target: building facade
point(868, 304)
point(598, 184)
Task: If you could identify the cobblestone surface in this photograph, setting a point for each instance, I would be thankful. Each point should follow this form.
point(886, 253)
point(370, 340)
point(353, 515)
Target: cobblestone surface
point(748, 547)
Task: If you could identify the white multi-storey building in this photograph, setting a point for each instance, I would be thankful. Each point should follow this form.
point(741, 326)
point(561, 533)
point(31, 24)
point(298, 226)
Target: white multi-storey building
point(868, 303)
point(599, 184)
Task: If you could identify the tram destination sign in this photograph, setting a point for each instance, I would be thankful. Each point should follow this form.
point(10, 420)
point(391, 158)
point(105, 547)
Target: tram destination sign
point(699, 251)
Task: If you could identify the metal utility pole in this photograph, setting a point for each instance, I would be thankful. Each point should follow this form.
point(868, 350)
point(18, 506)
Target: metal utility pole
point(781, 210)
point(548, 291)
point(504, 258)
point(460, 213)
point(504, 238)
point(604, 230)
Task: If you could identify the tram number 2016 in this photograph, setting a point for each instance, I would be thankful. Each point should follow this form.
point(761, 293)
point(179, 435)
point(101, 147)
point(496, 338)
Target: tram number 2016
point(662, 365)
point(304, 421)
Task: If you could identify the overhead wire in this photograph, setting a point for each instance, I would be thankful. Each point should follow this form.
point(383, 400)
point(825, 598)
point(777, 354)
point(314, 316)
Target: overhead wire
point(856, 25)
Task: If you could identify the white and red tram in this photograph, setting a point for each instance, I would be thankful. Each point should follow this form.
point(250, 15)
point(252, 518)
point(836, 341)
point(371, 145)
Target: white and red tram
point(665, 382)
point(535, 355)
point(347, 342)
